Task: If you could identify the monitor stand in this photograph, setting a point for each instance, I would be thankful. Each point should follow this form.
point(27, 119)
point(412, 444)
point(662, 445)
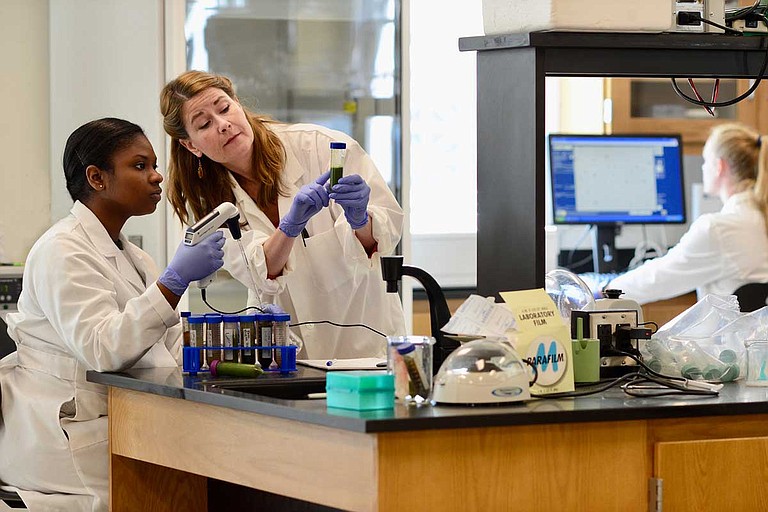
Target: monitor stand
point(604, 247)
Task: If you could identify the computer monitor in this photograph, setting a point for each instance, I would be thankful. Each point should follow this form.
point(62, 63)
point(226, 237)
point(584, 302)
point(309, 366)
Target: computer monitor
point(610, 180)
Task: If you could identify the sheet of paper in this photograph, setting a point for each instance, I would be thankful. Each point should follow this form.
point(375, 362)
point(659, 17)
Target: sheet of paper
point(482, 316)
point(362, 363)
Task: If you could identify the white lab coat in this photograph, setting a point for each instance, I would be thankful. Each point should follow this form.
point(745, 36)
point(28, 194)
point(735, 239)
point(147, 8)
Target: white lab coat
point(85, 305)
point(719, 253)
point(328, 276)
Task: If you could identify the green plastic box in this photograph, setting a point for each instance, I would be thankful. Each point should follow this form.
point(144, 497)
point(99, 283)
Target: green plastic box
point(360, 391)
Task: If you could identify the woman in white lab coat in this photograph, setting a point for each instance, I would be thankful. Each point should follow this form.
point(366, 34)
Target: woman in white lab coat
point(720, 251)
point(91, 300)
point(311, 250)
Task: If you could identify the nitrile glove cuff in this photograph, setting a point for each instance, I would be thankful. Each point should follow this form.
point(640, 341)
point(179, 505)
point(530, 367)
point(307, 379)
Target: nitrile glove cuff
point(354, 223)
point(173, 281)
point(290, 230)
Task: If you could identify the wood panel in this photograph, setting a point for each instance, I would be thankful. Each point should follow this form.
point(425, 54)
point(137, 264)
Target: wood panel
point(587, 467)
point(751, 111)
point(663, 311)
point(713, 475)
point(162, 489)
point(421, 317)
point(291, 458)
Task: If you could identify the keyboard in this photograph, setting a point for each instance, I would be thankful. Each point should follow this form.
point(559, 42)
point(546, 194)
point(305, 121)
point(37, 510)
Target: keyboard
point(596, 281)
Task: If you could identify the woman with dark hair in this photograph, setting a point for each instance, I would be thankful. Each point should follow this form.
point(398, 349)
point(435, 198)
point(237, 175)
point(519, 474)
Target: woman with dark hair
point(314, 250)
point(91, 301)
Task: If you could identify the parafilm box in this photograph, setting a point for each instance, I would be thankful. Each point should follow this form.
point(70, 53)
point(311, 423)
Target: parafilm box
point(542, 338)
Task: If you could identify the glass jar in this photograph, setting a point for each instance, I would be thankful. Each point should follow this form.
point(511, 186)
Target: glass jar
point(231, 332)
point(248, 338)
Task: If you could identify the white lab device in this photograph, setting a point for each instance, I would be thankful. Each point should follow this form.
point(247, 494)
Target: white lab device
point(225, 213)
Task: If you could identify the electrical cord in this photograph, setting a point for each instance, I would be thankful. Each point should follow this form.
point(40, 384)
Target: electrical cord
point(712, 104)
point(340, 325)
point(637, 384)
point(205, 301)
point(572, 252)
point(741, 12)
point(651, 323)
point(727, 30)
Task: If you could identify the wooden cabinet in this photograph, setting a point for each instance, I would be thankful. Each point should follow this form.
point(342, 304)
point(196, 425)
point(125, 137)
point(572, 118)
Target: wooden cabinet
point(650, 105)
point(712, 474)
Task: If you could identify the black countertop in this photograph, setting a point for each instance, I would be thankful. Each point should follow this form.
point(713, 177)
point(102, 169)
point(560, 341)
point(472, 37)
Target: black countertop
point(611, 405)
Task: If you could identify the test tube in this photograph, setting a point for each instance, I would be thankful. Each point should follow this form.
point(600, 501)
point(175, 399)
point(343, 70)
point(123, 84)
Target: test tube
point(197, 335)
point(264, 330)
point(184, 316)
point(418, 378)
point(213, 337)
point(280, 334)
point(248, 338)
point(231, 337)
point(338, 154)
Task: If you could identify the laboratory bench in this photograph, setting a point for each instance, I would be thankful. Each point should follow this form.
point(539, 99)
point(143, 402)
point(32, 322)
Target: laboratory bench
point(169, 433)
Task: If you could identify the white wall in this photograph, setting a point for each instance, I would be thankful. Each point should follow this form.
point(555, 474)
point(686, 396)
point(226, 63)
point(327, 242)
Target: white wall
point(107, 59)
point(24, 141)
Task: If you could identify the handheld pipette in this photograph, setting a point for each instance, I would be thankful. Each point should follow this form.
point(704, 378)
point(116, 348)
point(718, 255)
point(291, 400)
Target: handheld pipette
point(225, 213)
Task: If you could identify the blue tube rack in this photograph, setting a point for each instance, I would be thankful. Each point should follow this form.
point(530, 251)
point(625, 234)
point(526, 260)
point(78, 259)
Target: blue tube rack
point(191, 357)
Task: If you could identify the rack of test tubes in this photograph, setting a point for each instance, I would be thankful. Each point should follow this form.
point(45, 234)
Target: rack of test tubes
point(259, 338)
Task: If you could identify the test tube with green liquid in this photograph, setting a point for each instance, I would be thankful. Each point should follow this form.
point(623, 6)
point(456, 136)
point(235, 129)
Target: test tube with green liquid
point(338, 153)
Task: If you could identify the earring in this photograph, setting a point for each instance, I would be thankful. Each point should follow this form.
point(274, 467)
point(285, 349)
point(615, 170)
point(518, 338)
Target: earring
point(200, 173)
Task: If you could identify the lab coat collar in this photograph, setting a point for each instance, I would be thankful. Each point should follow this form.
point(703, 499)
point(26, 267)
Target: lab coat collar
point(291, 177)
point(98, 235)
point(248, 206)
point(95, 230)
point(736, 200)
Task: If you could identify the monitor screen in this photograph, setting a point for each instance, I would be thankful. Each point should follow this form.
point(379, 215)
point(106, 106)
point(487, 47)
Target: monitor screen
point(631, 179)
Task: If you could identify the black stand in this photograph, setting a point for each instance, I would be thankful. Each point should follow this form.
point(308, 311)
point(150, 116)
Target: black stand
point(604, 247)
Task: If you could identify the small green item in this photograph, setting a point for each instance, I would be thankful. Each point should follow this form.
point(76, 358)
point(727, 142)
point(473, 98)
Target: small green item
point(586, 356)
point(360, 390)
point(235, 369)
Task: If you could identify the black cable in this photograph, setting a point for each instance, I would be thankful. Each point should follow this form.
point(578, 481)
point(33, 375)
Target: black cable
point(728, 103)
point(651, 323)
point(591, 390)
point(339, 325)
point(733, 31)
point(737, 14)
point(205, 301)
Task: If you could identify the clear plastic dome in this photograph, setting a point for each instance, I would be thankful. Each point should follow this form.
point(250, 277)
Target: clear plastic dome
point(482, 371)
point(568, 292)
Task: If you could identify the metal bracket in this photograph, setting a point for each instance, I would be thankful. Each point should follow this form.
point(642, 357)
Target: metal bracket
point(656, 496)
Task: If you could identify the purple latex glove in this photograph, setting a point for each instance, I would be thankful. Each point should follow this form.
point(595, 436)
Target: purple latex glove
point(272, 309)
point(310, 199)
point(193, 262)
point(352, 194)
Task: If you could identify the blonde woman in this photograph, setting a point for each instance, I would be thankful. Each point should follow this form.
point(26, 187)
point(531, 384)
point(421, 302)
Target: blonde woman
point(721, 251)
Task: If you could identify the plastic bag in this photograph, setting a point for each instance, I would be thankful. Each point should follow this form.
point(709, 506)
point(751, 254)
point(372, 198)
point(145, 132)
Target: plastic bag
point(704, 342)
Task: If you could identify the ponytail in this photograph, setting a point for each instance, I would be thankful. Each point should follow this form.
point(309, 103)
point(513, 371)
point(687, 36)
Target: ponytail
point(761, 180)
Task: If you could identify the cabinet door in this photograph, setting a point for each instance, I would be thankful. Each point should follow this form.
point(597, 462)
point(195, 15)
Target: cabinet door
point(650, 105)
point(713, 475)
